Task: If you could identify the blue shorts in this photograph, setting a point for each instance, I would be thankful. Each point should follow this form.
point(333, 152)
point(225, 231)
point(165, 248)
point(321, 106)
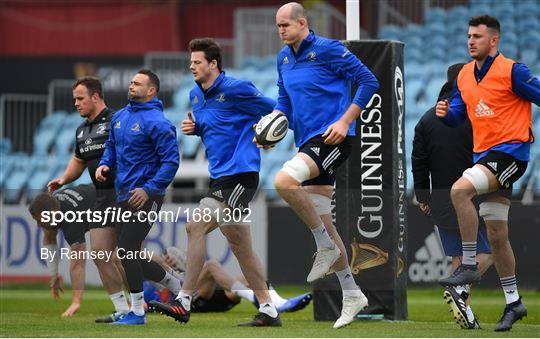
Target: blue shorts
point(451, 241)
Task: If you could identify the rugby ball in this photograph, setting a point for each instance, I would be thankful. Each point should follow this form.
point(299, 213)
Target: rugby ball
point(271, 129)
point(179, 256)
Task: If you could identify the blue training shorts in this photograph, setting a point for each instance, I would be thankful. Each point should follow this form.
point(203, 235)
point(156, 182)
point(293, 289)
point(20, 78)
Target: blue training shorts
point(451, 241)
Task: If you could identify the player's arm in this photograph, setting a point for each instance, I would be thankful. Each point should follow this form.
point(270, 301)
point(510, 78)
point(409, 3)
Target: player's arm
point(283, 102)
point(525, 84)
point(251, 101)
point(163, 133)
point(453, 112)
point(77, 274)
point(345, 64)
point(73, 171)
point(420, 166)
point(108, 159)
point(49, 242)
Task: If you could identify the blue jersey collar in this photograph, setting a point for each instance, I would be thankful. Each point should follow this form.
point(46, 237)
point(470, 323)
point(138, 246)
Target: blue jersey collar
point(479, 74)
point(304, 44)
point(216, 84)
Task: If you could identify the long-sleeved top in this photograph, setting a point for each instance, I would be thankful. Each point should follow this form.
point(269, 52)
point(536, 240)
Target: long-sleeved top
point(142, 146)
point(524, 84)
point(224, 117)
point(315, 85)
point(440, 155)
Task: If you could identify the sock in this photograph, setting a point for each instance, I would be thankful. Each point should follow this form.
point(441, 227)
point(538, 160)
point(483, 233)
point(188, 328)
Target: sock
point(276, 298)
point(348, 285)
point(269, 309)
point(509, 285)
point(322, 239)
point(178, 275)
point(137, 303)
point(469, 252)
point(470, 314)
point(185, 299)
point(242, 291)
point(172, 283)
point(119, 301)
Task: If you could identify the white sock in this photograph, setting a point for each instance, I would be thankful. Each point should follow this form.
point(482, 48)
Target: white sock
point(185, 299)
point(242, 291)
point(171, 282)
point(276, 298)
point(119, 301)
point(509, 285)
point(137, 303)
point(269, 309)
point(469, 252)
point(348, 285)
point(322, 239)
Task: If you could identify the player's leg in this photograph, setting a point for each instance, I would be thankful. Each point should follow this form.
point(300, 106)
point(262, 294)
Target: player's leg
point(494, 210)
point(288, 183)
point(239, 238)
point(206, 285)
point(180, 308)
point(475, 181)
point(103, 239)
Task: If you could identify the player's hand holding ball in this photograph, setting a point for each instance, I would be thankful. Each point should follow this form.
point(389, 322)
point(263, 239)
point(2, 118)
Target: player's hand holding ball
point(270, 130)
point(188, 125)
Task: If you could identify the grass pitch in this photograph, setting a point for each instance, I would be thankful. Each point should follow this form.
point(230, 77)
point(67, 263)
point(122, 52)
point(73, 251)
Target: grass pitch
point(30, 312)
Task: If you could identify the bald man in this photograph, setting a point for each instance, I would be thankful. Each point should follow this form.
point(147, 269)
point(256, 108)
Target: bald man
point(315, 79)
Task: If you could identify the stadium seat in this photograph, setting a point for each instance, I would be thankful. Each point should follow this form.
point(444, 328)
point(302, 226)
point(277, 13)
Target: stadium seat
point(44, 167)
point(16, 179)
point(65, 141)
point(435, 14)
point(190, 146)
point(390, 32)
point(5, 146)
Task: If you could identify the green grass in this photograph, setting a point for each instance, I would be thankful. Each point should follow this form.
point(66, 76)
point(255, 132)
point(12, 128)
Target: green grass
point(32, 313)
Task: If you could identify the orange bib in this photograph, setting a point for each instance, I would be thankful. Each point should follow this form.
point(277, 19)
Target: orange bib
point(497, 114)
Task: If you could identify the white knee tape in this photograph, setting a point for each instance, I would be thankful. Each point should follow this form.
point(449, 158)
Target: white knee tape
point(494, 211)
point(215, 207)
point(478, 178)
point(297, 168)
point(323, 204)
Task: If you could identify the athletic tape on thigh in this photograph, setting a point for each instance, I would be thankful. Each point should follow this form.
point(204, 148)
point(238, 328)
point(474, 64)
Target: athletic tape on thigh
point(297, 168)
point(494, 211)
point(478, 178)
point(224, 215)
point(323, 204)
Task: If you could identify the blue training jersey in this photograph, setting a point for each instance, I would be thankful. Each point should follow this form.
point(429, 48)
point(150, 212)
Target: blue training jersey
point(224, 116)
point(315, 85)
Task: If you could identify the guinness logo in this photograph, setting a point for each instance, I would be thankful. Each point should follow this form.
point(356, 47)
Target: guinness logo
point(366, 256)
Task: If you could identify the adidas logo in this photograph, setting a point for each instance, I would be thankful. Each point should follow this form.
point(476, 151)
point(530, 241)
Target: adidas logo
point(316, 150)
point(430, 262)
point(218, 194)
point(483, 110)
point(347, 276)
point(80, 134)
point(492, 165)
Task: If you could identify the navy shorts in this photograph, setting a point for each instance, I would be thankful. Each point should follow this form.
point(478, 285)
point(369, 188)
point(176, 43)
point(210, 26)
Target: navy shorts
point(451, 241)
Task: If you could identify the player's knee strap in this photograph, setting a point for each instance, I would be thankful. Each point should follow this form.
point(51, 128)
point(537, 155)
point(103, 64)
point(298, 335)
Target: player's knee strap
point(494, 211)
point(297, 168)
point(323, 204)
point(478, 178)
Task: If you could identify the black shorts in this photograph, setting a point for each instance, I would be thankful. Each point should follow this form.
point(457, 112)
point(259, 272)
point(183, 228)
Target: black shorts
point(235, 190)
point(217, 303)
point(152, 205)
point(74, 232)
point(327, 157)
point(104, 198)
point(506, 169)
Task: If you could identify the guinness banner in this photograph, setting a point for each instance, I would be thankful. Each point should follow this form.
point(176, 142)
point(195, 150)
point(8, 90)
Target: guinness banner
point(370, 195)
